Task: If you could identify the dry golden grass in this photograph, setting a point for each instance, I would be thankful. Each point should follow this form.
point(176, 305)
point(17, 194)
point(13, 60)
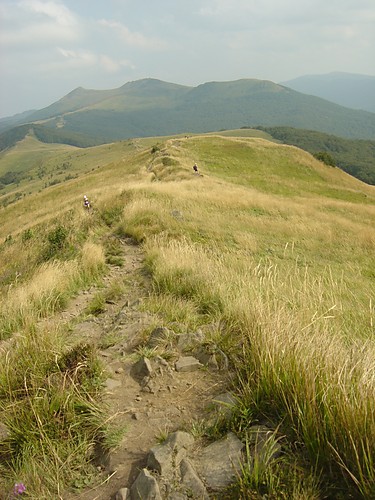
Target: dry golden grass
point(302, 348)
point(277, 245)
point(294, 275)
point(48, 289)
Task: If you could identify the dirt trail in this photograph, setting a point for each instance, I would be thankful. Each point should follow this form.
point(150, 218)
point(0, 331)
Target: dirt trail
point(150, 407)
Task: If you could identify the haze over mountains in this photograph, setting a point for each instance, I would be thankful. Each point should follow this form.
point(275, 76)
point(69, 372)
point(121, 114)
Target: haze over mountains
point(347, 89)
point(151, 107)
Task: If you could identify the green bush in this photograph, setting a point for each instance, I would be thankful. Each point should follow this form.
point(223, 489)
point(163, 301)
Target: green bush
point(27, 235)
point(169, 162)
point(57, 242)
point(325, 158)
point(111, 215)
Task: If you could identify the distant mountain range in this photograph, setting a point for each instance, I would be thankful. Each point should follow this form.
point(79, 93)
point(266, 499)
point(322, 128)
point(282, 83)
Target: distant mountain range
point(151, 107)
point(347, 89)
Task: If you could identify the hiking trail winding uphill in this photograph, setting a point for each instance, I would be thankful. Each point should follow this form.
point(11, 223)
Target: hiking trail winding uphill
point(147, 395)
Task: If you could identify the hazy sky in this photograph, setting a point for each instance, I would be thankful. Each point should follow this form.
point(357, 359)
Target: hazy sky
point(50, 47)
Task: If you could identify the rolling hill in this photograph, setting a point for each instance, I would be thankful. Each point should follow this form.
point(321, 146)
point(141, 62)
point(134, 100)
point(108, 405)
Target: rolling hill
point(263, 264)
point(151, 107)
point(347, 89)
point(357, 157)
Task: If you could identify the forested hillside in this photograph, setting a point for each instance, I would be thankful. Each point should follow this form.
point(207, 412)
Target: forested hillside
point(46, 134)
point(152, 107)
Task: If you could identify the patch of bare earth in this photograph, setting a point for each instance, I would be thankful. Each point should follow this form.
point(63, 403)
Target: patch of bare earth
point(150, 397)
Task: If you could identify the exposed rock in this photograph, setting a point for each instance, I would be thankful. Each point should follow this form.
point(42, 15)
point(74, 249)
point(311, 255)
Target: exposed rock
point(180, 442)
point(141, 369)
point(164, 457)
point(187, 341)
point(161, 361)
point(220, 463)
point(176, 495)
point(211, 329)
point(149, 386)
point(145, 487)
point(191, 481)
point(123, 494)
point(159, 336)
point(188, 364)
point(160, 459)
point(225, 404)
point(177, 214)
point(207, 358)
point(222, 359)
point(180, 439)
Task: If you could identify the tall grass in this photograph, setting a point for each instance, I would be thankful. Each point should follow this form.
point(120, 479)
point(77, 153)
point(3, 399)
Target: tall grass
point(49, 289)
point(46, 402)
point(297, 363)
point(300, 321)
point(49, 404)
point(272, 243)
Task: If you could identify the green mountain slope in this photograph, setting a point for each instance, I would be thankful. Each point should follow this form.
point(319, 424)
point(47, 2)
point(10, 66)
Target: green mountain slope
point(137, 95)
point(47, 135)
point(32, 165)
point(151, 107)
point(13, 121)
point(214, 106)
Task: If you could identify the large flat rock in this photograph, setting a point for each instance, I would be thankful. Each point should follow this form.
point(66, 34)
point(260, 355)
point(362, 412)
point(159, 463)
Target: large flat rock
point(219, 464)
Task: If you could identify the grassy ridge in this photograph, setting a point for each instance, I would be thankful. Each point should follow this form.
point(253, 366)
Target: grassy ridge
point(270, 245)
point(272, 257)
point(354, 156)
point(32, 166)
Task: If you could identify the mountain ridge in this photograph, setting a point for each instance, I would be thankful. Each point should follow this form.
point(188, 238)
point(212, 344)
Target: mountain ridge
point(150, 107)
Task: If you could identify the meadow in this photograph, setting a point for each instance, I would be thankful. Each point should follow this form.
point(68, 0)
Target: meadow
point(270, 244)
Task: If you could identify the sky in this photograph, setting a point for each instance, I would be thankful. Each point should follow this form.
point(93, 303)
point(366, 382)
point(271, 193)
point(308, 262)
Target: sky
point(50, 47)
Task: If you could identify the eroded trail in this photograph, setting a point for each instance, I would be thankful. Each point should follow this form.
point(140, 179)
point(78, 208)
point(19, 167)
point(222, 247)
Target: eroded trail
point(145, 393)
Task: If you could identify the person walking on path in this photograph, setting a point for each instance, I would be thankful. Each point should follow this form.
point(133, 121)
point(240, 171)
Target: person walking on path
point(86, 203)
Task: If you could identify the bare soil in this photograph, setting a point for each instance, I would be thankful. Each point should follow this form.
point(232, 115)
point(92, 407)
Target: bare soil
point(150, 407)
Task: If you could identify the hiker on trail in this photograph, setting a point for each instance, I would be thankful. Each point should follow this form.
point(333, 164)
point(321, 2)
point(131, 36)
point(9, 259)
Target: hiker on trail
point(86, 202)
point(195, 168)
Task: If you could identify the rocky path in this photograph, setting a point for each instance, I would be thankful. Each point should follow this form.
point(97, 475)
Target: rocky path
point(152, 394)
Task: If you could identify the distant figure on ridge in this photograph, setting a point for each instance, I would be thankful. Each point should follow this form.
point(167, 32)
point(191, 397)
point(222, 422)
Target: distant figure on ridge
point(86, 203)
point(195, 168)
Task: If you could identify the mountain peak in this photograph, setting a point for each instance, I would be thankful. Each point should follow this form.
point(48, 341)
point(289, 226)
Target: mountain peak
point(149, 107)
